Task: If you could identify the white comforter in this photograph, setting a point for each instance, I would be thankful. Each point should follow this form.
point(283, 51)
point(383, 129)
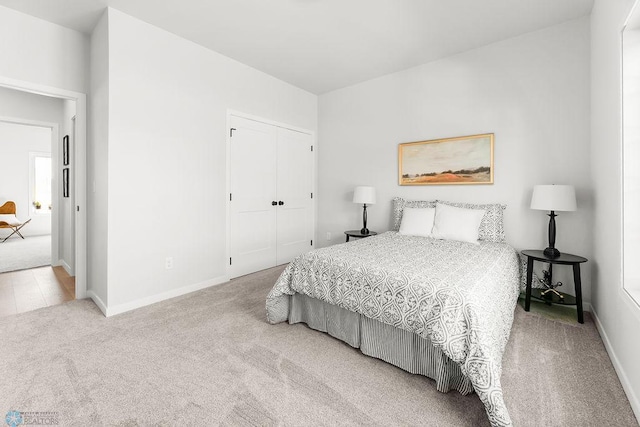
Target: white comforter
point(460, 295)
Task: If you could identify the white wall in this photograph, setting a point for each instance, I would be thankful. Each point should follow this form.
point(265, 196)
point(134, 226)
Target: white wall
point(168, 102)
point(531, 91)
point(16, 104)
point(618, 316)
point(38, 51)
point(97, 164)
point(631, 124)
point(66, 213)
point(16, 142)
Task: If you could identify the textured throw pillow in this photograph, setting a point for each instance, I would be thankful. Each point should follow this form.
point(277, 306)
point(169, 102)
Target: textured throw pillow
point(399, 204)
point(453, 223)
point(417, 221)
point(492, 225)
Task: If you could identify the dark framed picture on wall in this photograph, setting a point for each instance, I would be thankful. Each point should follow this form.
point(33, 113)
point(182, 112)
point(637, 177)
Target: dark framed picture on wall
point(65, 150)
point(65, 182)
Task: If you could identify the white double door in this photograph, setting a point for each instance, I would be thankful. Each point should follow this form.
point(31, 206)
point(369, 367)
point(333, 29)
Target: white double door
point(271, 195)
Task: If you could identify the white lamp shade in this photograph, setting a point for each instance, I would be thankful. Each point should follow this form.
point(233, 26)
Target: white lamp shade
point(554, 198)
point(364, 195)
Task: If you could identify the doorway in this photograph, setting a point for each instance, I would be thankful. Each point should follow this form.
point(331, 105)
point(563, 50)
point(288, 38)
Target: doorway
point(27, 190)
point(29, 278)
point(78, 208)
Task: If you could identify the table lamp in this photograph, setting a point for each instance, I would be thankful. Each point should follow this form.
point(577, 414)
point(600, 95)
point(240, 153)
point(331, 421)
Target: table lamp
point(365, 196)
point(553, 198)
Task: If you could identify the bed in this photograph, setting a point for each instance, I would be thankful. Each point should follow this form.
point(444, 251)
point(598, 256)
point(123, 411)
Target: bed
point(432, 306)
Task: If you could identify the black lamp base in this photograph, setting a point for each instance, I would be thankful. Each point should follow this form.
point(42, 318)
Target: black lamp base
point(364, 229)
point(551, 253)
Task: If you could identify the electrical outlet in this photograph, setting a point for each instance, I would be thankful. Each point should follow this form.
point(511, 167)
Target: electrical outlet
point(168, 263)
point(328, 235)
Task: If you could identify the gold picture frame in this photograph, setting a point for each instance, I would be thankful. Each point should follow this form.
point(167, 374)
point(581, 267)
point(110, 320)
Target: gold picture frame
point(459, 160)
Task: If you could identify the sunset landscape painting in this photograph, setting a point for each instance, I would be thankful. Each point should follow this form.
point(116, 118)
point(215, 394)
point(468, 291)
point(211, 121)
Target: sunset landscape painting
point(460, 160)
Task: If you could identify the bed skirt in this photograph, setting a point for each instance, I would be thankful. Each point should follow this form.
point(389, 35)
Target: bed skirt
point(398, 347)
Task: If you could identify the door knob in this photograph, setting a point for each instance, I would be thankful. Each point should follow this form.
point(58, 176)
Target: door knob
point(280, 203)
point(274, 203)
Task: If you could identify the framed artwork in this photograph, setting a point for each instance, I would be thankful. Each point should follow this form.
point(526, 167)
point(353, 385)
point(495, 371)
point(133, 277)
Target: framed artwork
point(460, 160)
point(65, 182)
point(65, 150)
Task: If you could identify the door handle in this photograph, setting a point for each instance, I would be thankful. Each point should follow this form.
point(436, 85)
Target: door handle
point(274, 203)
point(280, 203)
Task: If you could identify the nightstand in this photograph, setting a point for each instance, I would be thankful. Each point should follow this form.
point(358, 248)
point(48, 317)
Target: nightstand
point(551, 297)
point(357, 233)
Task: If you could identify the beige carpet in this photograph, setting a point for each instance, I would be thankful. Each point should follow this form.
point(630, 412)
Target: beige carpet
point(210, 358)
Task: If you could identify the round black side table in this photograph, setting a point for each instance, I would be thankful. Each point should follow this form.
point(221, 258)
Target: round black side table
point(563, 259)
point(357, 233)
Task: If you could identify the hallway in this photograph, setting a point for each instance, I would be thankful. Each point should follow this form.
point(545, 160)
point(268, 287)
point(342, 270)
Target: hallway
point(27, 290)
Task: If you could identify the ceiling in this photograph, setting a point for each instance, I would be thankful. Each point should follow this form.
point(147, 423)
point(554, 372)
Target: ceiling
point(323, 45)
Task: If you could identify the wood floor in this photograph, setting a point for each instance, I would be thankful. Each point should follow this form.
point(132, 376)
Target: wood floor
point(28, 290)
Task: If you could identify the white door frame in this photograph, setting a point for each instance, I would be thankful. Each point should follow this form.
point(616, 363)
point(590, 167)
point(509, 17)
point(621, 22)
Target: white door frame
point(236, 113)
point(80, 169)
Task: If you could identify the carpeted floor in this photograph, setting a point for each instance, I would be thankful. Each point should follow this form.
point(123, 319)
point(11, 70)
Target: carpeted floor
point(210, 358)
point(558, 312)
point(20, 254)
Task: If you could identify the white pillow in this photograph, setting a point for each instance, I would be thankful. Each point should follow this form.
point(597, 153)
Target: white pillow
point(452, 223)
point(399, 204)
point(417, 221)
point(9, 219)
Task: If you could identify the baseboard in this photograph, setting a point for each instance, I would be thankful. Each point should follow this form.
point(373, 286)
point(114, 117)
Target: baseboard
point(96, 299)
point(626, 385)
point(67, 268)
point(142, 302)
point(62, 263)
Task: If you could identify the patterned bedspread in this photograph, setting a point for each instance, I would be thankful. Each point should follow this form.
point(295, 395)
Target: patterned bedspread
point(459, 295)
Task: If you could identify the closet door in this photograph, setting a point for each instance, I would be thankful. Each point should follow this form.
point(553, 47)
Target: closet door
point(294, 188)
point(253, 150)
